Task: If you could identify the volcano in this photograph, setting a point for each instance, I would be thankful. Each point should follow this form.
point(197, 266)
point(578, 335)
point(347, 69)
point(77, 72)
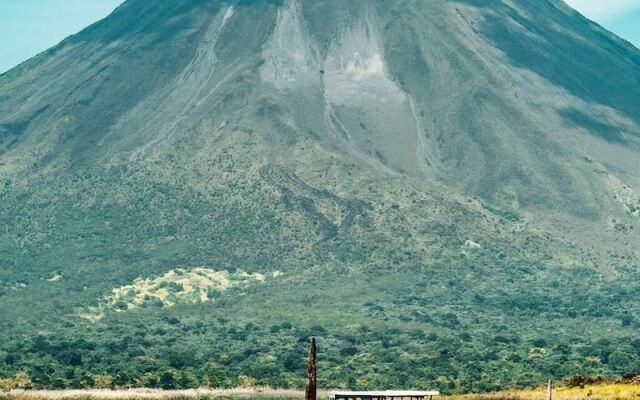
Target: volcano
point(445, 192)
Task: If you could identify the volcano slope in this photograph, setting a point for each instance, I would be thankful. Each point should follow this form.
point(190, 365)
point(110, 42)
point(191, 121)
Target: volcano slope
point(444, 192)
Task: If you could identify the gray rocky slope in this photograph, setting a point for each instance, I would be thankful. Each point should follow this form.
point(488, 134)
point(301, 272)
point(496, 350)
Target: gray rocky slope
point(524, 103)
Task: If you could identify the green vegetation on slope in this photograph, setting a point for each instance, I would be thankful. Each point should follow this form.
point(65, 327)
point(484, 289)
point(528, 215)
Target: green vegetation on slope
point(403, 287)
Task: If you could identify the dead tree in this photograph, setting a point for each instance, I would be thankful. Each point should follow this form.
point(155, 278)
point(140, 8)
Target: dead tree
point(312, 377)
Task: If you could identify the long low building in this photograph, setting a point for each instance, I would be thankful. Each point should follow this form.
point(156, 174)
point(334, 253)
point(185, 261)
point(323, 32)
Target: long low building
point(384, 395)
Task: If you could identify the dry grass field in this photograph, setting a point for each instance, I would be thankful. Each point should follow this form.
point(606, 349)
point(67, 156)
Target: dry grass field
point(602, 391)
point(607, 391)
point(154, 394)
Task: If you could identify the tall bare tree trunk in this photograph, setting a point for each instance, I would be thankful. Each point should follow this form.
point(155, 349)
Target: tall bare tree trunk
point(312, 377)
point(549, 391)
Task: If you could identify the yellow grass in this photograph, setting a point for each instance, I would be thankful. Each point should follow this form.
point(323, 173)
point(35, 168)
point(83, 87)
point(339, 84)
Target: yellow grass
point(612, 391)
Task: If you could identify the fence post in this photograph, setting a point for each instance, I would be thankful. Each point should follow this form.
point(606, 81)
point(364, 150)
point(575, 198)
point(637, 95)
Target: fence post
point(312, 378)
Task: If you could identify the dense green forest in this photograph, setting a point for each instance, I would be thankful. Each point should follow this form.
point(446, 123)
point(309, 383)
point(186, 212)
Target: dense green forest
point(423, 337)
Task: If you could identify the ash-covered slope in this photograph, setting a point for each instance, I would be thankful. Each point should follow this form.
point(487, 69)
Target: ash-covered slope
point(182, 181)
point(522, 103)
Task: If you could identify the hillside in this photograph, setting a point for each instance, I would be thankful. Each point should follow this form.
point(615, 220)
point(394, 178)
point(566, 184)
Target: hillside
point(444, 192)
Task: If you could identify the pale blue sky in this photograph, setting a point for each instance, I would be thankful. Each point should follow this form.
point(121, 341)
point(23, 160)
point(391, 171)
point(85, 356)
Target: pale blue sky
point(28, 27)
point(619, 16)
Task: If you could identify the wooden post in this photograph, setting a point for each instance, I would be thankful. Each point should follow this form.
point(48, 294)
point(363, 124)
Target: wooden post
point(312, 377)
point(549, 394)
